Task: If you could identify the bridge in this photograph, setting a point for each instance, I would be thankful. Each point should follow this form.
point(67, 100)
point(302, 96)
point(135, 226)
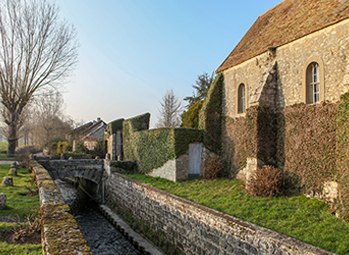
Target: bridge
point(89, 173)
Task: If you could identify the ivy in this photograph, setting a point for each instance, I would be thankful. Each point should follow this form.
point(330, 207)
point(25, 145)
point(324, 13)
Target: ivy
point(342, 136)
point(310, 144)
point(251, 136)
point(114, 126)
point(210, 117)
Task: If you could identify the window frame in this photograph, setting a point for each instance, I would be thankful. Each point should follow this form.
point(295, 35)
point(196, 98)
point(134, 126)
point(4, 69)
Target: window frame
point(241, 104)
point(309, 84)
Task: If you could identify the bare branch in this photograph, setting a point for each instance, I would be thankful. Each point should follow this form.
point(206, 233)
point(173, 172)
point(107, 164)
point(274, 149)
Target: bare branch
point(36, 50)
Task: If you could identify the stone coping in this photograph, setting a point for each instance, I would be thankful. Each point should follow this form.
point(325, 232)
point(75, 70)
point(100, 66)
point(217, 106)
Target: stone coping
point(60, 233)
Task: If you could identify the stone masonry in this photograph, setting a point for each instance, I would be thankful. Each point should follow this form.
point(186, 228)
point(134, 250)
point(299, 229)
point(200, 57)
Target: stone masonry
point(196, 229)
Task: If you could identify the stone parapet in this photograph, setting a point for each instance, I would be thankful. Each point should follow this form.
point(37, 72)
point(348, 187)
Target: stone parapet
point(196, 229)
point(60, 232)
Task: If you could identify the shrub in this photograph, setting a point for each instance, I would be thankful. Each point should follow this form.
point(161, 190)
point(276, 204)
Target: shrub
point(99, 149)
point(24, 161)
point(190, 118)
point(265, 182)
point(213, 166)
point(62, 147)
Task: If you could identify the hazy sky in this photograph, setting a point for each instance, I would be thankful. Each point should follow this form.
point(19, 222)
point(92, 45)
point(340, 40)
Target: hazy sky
point(133, 51)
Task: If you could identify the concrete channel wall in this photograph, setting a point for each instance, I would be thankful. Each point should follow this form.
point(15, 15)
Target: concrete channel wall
point(196, 229)
point(60, 232)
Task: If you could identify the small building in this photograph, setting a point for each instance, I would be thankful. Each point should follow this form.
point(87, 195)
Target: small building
point(89, 133)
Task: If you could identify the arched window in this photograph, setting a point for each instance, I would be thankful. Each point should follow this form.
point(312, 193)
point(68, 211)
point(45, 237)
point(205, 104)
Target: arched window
point(313, 83)
point(241, 99)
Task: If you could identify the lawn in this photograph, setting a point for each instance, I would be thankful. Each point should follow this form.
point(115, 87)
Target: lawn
point(32, 249)
point(3, 148)
point(18, 204)
point(302, 218)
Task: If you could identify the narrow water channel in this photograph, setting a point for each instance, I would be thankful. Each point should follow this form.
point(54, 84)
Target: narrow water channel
point(101, 235)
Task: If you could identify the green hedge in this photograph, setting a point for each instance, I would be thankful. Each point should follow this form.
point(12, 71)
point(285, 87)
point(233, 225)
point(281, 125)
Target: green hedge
point(151, 149)
point(210, 117)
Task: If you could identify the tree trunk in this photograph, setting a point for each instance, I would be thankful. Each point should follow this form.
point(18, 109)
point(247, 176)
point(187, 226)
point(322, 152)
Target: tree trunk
point(12, 139)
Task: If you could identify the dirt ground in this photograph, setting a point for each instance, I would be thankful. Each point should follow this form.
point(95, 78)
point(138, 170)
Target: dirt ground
point(7, 237)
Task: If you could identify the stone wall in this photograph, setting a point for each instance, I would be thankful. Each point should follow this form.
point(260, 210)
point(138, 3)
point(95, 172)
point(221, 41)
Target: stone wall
point(173, 170)
point(60, 232)
point(329, 45)
point(196, 229)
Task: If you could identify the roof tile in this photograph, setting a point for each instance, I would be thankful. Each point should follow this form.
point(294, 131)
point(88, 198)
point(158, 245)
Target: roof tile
point(284, 23)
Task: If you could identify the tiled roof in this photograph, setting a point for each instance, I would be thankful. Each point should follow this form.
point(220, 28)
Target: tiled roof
point(286, 22)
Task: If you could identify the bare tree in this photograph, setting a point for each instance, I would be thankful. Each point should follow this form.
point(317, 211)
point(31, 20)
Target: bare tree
point(48, 111)
point(36, 50)
point(170, 111)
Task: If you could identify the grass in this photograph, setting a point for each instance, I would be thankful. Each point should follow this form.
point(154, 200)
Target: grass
point(33, 249)
point(3, 147)
point(17, 204)
point(302, 218)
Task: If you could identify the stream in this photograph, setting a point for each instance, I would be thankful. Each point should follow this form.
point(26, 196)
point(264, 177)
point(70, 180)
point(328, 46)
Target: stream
point(100, 234)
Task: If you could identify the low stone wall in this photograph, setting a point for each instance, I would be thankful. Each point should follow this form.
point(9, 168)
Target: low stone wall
point(60, 232)
point(196, 229)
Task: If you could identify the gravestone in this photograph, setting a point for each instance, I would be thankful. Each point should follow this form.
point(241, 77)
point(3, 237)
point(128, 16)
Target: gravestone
point(7, 181)
point(13, 171)
point(2, 201)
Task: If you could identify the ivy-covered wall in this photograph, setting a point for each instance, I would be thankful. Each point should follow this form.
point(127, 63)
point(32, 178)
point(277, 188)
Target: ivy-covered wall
point(151, 149)
point(308, 138)
point(210, 117)
point(252, 136)
point(342, 135)
point(114, 126)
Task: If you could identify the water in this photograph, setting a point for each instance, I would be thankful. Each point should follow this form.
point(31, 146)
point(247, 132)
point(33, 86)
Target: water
point(100, 234)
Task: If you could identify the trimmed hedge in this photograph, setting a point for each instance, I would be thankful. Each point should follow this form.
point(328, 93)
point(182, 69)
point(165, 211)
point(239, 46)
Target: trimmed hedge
point(151, 149)
point(210, 117)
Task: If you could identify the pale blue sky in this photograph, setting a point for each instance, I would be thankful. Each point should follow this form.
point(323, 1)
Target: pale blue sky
point(133, 51)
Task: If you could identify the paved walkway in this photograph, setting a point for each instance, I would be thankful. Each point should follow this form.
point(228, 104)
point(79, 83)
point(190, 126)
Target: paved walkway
point(7, 162)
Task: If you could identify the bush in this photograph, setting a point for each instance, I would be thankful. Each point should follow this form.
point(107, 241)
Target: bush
point(190, 118)
point(265, 182)
point(62, 147)
point(24, 161)
point(99, 149)
point(213, 166)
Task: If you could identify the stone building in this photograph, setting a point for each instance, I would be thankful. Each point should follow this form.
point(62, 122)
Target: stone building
point(295, 53)
point(89, 133)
